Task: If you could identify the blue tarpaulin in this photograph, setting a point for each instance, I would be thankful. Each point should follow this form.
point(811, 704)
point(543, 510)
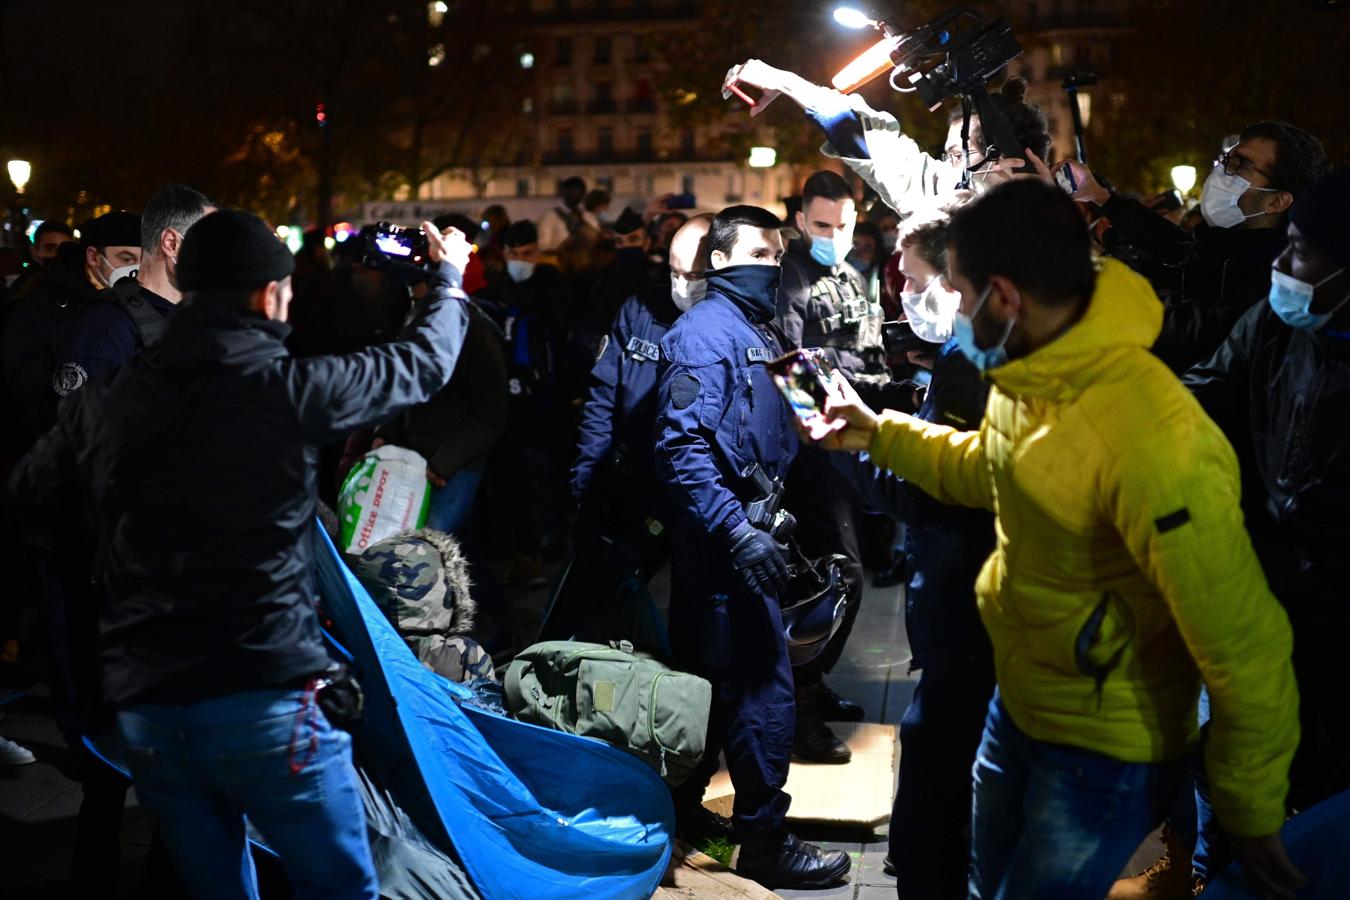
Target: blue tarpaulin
point(529, 812)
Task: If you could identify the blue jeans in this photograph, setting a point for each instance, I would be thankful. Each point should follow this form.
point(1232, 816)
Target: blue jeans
point(1054, 821)
point(269, 755)
point(451, 506)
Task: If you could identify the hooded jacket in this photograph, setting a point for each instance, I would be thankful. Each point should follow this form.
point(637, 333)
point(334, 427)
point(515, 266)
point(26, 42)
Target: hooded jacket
point(200, 455)
point(1122, 575)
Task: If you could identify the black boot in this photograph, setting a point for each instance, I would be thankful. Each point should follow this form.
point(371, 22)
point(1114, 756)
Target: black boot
point(834, 708)
point(698, 826)
point(787, 862)
point(813, 741)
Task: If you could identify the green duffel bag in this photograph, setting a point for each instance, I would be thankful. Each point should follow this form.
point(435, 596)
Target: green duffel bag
point(609, 692)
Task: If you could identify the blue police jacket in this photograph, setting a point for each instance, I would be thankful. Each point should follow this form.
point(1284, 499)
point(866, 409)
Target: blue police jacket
point(101, 338)
point(945, 546)
point(616, 422)
point(718, 411)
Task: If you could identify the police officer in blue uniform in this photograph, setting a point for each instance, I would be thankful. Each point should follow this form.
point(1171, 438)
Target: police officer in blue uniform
point(823, 304)
point(620, 531)
point(724, 436)
point(132, 314)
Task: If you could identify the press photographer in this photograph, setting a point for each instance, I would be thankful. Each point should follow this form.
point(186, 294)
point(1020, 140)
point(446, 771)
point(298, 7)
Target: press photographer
point(200, 457)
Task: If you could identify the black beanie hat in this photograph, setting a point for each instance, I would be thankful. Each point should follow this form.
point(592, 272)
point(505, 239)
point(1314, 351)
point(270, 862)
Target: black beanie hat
point(1320, 213)
point(114, 229)
point(231, 250)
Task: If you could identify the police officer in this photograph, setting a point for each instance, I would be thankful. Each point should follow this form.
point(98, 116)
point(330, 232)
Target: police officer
point(530, 309)
point(823, 303)
point(136, 311)
point(620, 528)
point(722, 434)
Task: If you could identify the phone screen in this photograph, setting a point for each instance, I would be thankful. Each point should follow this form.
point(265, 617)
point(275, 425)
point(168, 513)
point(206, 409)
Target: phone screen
point(799, 380)
point(1064, 178)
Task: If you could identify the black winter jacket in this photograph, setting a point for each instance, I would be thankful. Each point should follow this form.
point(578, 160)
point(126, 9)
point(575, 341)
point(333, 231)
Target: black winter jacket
point(200, 458)
point(1282, 396)
point(1207, 279)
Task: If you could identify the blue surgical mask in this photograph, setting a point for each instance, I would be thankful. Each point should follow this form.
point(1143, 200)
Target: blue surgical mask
point(963, 329)
point(823, 251)
point(1291, 300)
point(519, 270)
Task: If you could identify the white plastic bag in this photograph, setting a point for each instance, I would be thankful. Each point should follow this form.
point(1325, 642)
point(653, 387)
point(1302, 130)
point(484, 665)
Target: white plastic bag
point(385, 494)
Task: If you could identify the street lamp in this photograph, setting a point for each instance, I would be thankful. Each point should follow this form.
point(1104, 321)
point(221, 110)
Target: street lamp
point(20, 170)
point(763, 158)
point(1184, 178)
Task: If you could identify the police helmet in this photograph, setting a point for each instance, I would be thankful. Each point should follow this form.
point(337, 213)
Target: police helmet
point(813, 606)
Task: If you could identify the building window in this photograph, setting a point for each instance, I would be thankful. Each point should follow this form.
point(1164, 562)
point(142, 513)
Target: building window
point(687, 185)
point(604, 51)
point(604, 98)
point(565, 146)
point(644, 97)
point(522, 187)
point(562, 52)
point(605, 183)
point(604, 143)
point(640, 52)
point(687, 148)
point(644, 143)
point(527, 105)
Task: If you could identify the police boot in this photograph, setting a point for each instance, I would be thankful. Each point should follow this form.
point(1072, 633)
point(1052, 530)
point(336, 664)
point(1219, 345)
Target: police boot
point(787, 862)
point(1167, 879)
point(813, 740)
point(834, 708)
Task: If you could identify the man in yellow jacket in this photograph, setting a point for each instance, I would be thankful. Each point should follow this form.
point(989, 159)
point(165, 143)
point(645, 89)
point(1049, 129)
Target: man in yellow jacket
point(1122, 577)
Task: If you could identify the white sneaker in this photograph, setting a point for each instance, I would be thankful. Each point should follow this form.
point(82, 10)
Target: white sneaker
point(11, 754)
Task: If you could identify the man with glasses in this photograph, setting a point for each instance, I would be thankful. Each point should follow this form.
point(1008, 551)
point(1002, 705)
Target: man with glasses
point(1208, 278)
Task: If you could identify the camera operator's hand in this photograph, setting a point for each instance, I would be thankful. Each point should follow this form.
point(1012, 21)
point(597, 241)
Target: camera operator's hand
point(1268, 866)
point(1089, 190)
point(844, 405)
point(760, 75)
point(760, 560)
point(448, 246)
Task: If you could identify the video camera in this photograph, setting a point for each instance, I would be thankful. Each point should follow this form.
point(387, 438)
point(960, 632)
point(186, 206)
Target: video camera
point(955, 55)
point(402, 252)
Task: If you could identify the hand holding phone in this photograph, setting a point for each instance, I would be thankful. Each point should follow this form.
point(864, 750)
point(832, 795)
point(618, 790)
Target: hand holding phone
point(800, 380)
point(751, 73)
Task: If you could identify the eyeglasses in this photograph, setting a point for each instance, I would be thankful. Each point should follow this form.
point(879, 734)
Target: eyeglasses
point(1235, 163)
point(953, 157)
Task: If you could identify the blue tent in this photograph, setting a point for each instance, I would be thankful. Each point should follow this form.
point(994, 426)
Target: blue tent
point(529, 812)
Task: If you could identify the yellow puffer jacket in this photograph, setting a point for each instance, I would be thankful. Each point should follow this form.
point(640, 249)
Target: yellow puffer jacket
point(1122, 574)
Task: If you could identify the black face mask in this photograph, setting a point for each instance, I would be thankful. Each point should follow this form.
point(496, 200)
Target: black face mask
point(629, 259)
point(753, 288)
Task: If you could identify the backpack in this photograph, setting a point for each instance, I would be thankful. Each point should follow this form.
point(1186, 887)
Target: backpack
point(611, 693)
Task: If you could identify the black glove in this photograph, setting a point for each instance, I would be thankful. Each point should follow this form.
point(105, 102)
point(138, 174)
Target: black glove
point(760, 560)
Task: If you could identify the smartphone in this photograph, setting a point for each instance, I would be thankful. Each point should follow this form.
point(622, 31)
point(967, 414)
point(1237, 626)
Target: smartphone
point(803, 384)
point(680, 201)
point(1064, 178)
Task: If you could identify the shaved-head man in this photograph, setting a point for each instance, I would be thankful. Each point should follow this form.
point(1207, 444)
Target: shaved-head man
point(621, 506)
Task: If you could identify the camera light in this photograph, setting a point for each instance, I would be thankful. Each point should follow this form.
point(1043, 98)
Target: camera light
point(852, 18)
point(527, 60)
point(763, 158)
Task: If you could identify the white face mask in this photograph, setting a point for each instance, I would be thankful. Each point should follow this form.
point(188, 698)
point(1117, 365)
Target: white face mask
point(116, 274)
point(930, 312)
point(519, 270)
point(1220, 196)
point(685, 292)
